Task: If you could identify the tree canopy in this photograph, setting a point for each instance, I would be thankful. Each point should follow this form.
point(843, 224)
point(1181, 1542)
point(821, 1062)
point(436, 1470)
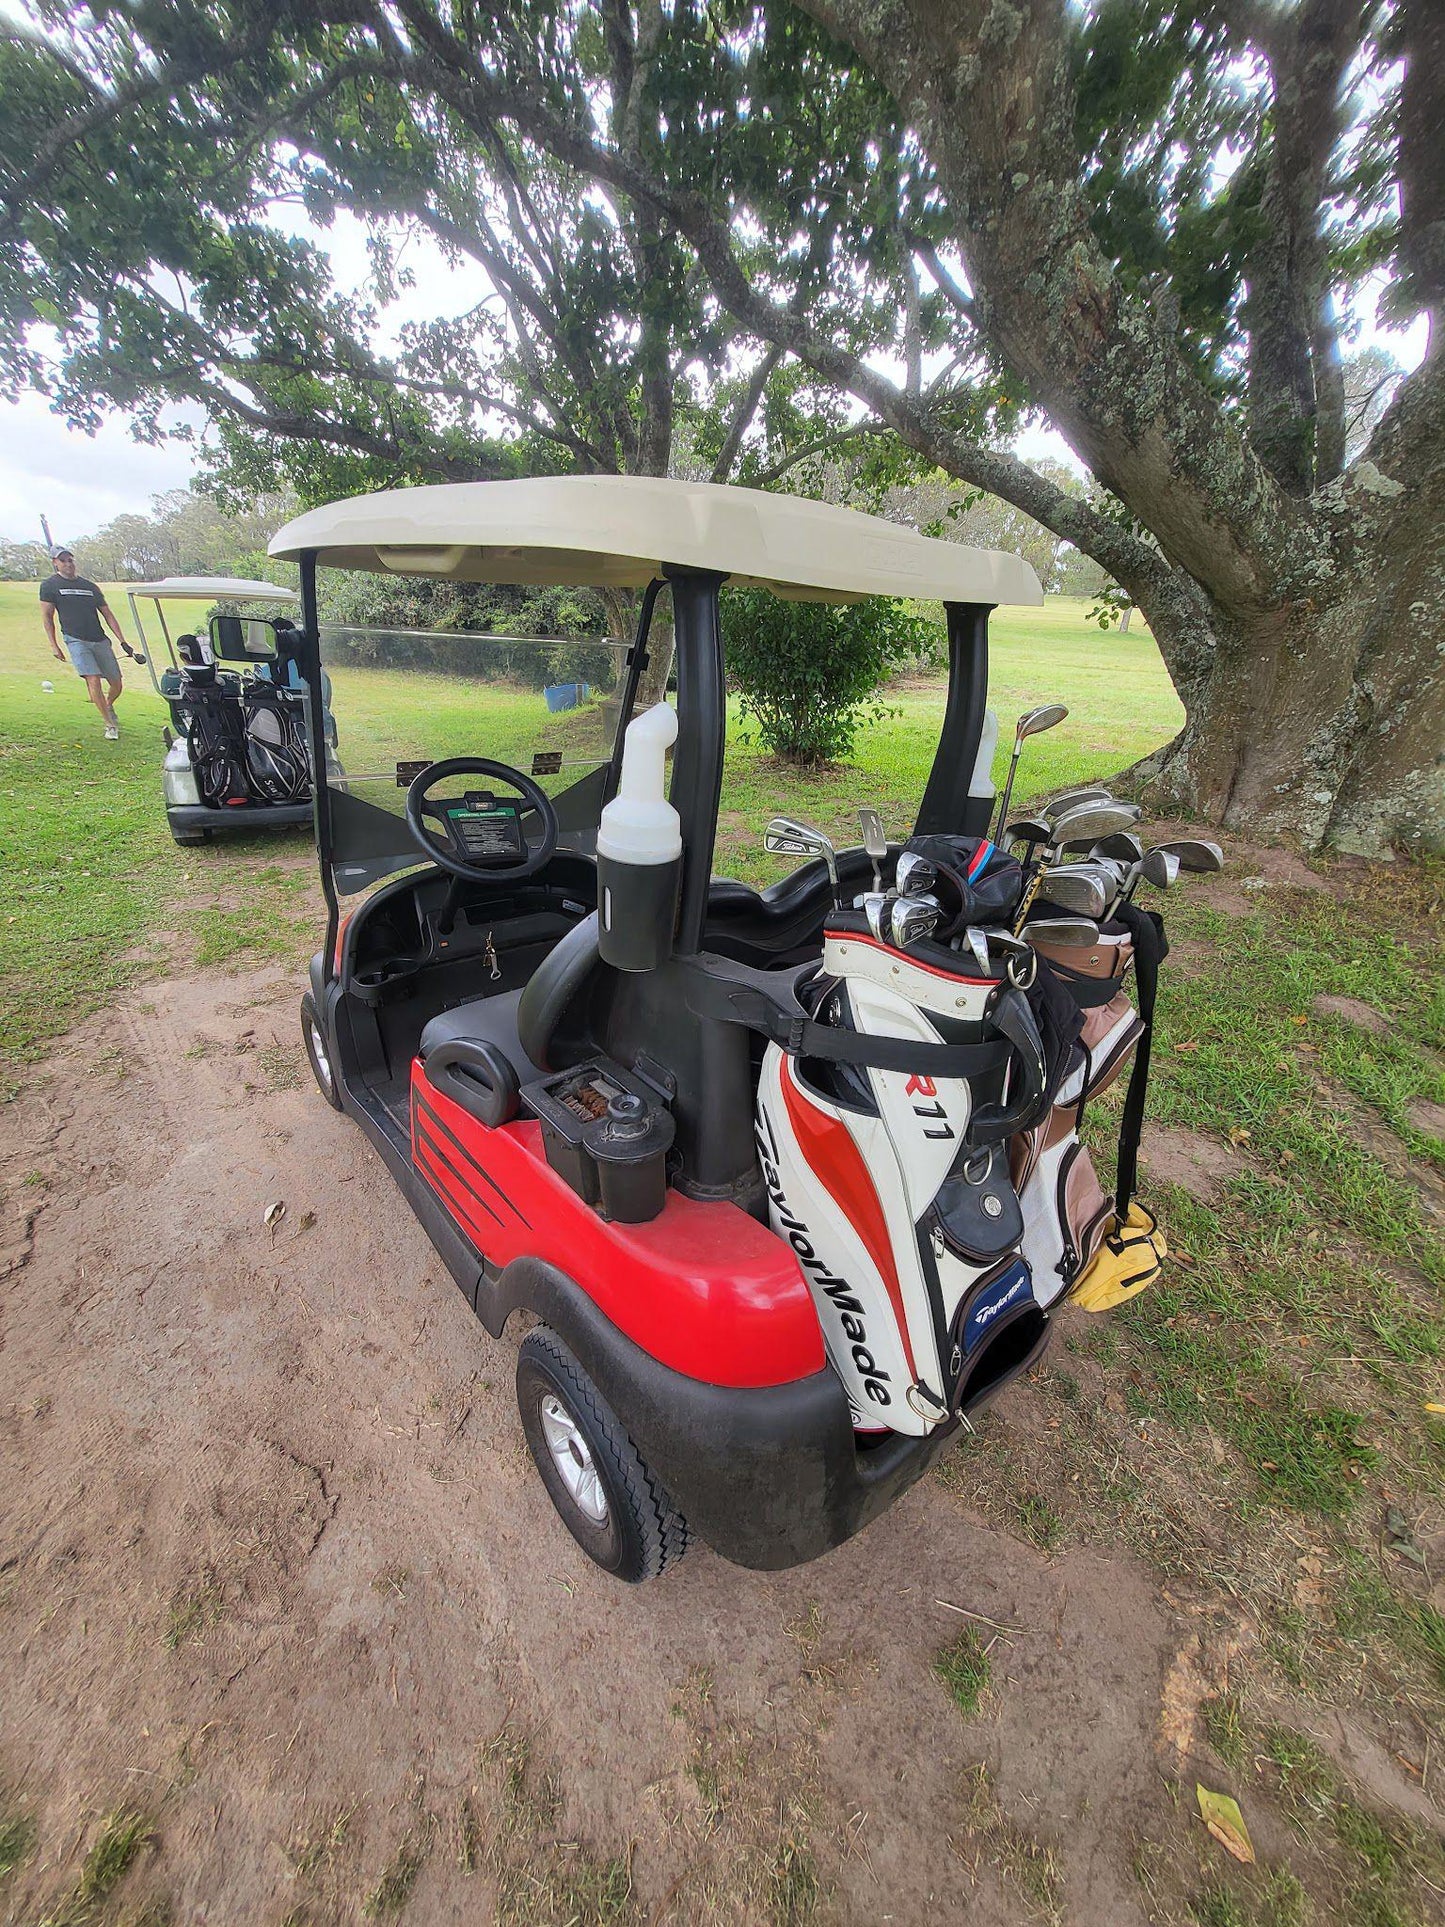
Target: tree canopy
point(714, 236)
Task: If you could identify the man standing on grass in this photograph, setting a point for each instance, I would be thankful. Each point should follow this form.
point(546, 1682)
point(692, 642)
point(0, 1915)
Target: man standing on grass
point(80, 606)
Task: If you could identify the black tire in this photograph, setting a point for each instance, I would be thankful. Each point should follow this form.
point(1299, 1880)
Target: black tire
point(190, 839)
point(642, 1533)
point(318, 1051)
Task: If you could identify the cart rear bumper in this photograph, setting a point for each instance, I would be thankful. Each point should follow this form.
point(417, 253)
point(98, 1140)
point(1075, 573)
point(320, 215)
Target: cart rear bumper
point(187, 818)
point(770, 1476)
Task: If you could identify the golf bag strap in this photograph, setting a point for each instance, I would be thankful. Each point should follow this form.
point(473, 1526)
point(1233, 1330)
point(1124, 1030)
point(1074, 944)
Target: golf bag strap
point(767, 1002)
point(1151, 947)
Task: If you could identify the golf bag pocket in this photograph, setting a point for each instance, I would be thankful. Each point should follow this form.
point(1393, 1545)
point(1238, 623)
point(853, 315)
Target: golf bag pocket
point(1111, 1035)
point(1066, 1215)
point(998, 1331)
point(976, 1212)
point(1130, 1257)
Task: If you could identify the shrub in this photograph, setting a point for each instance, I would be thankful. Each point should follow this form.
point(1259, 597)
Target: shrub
point(805, 671)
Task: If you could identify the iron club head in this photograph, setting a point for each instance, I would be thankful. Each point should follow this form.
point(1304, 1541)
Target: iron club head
point(914, 875)
point(1160, 867)
point(913, 918)
point(1076, 889)
point(1071, 933)
point(1195, 855)
point(789, 836)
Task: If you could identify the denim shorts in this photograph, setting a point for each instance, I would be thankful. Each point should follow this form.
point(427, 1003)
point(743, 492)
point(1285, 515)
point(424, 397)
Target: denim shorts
point(93, 659)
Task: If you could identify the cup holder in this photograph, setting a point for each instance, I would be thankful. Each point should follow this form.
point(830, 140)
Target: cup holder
point(374, 982)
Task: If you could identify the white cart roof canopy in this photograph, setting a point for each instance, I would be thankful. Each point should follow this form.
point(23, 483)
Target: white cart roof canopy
point(620, 531)
point(210, 588)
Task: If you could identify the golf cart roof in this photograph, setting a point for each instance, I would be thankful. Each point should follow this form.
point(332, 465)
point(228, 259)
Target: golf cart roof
point(210, 588)
point(611, 531)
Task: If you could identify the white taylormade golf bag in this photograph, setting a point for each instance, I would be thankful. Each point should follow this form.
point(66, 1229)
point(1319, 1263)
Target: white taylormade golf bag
point(893, 1187)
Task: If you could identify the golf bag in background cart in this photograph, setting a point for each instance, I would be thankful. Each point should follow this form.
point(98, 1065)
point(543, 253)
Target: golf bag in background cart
point(278, 764)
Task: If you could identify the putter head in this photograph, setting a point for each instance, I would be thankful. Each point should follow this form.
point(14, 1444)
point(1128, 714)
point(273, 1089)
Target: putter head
point(1087, 823)
point(1068, 933)
point(1160, 867)
point(1079, 891)
point(914, 875)
point(1028, 829)
point(911, 919)
point(875, 843)
point(1195, 855)
point(1066, 799)
point(1034, 722)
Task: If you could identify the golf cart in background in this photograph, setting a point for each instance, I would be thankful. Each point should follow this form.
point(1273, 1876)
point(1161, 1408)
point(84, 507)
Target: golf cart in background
point(790, 1179)
point(236, 746)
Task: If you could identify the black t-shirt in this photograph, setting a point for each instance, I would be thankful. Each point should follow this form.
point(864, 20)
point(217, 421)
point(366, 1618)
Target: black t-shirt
point(77, 605)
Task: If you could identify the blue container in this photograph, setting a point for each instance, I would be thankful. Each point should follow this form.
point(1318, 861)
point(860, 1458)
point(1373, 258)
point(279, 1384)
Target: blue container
point(566, 695)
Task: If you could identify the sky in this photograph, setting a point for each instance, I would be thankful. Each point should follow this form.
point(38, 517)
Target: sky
point(80, 482)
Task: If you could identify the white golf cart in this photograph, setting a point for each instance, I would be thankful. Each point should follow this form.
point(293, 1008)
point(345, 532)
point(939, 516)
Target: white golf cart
point(236, 752)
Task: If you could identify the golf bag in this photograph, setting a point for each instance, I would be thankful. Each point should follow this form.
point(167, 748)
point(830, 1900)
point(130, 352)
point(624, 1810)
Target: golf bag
point(886, 1163)
point(278, 767)
point(207, 705)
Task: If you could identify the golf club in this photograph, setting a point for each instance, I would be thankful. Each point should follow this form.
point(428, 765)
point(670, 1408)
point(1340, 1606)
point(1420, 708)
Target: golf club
point(787, 836)
point(1123, 845)
point(1085, 824)
point(1066, 799)
point(914, 875)
point(1079, 891)
point(1032, 723)
point(1027, 829)
point(1195, 855)
point(1073, 933)
point(875, 843)
point(875, 906)
point(912, 918)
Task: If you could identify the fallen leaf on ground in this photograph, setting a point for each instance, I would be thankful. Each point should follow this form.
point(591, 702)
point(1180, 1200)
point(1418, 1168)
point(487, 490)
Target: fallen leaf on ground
point(1224, 1820)
point(274, 1213)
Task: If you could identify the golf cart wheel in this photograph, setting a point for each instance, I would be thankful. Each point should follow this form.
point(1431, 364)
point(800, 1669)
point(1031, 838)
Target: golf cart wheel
point(190, 839)
point(609, 1499)
point(313, 1035)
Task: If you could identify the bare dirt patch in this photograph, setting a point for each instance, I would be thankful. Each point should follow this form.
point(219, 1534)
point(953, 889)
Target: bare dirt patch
point(276, 1573)
point(1353, 1011)
point(1200, 1165)
point(1427, 1117)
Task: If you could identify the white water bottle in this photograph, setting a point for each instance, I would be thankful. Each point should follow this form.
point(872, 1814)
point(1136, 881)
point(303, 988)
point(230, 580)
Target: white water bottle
point(639, 851)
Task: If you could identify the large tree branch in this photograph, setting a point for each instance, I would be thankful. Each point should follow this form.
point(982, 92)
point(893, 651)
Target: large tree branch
point(742, 416)
point(1288, 312)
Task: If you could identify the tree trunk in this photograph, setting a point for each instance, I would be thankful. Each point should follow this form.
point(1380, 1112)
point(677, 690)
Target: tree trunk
point(1323, 720)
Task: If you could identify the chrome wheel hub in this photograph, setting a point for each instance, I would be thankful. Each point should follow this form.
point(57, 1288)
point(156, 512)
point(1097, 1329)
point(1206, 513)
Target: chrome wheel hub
point(573, 1459)
point(323, 1060)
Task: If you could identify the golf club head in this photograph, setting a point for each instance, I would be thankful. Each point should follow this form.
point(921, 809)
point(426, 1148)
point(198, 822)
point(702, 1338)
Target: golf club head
point(978, 945)
point(914, 875)
point(875, 909)
point(1160, 867)
point(1068, 933)
point(875, 843)
point(1078, 891)
point(789, 836)
point(913, 918)
point(1087, 823)
point(1123, 844)
point(1028, 829)
point(1195, 855)
point(1066, 799)
point(1034, 722)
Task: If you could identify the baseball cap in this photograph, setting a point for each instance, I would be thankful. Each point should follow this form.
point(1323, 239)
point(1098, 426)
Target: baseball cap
point(55, 554)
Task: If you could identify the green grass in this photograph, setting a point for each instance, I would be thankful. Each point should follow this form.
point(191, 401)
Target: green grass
point(123, 1836)
point(17, 1841)
point(963, 1666)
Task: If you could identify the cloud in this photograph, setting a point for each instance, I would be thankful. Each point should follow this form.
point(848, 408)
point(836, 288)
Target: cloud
point(78, 481)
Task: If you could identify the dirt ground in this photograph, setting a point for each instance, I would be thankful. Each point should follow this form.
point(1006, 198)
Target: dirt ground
point(277, 1573)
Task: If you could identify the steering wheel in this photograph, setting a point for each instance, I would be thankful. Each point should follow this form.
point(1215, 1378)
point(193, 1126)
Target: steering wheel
point(478, 838)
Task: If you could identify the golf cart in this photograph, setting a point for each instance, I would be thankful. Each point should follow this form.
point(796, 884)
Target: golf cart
point(236, 755)
point(763, 1168)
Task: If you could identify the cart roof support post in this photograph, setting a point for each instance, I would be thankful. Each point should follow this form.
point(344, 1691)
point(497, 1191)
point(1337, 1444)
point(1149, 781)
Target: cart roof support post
point(697, 762)
point(309, 657)
point(947, 808)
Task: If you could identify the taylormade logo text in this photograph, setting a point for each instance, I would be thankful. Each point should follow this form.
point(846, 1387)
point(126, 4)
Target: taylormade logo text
point(850, 1310)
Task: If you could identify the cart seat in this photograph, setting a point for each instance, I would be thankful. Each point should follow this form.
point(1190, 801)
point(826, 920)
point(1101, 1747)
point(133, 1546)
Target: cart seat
point(485, 1020)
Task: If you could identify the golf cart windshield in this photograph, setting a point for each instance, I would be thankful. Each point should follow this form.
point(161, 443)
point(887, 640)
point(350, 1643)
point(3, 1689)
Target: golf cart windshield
point(403, 698)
